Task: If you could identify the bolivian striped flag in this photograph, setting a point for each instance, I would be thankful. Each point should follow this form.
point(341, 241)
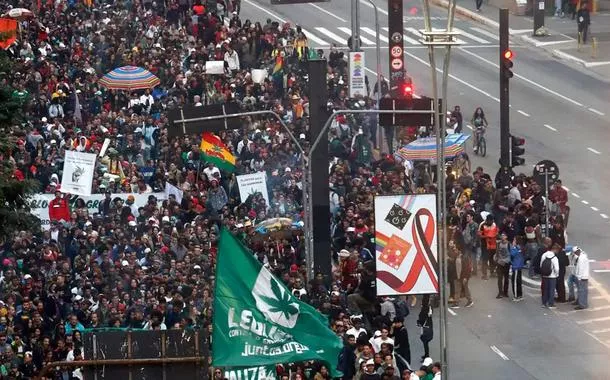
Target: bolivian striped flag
point(215, 151)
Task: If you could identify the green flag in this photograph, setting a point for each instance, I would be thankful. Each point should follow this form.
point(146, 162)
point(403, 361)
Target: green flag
point(257, 321)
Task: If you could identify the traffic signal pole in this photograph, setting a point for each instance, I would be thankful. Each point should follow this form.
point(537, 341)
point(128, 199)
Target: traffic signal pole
point(504, 93)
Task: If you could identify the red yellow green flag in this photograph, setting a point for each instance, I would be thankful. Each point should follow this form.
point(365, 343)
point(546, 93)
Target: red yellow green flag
point(215, 151)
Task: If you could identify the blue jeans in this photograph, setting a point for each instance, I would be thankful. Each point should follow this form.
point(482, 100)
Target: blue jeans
point(583, 293)
point(572, 285)
point(548, 291)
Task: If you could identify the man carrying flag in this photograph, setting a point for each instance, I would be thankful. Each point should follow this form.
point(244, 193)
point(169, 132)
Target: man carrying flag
point(257, 321)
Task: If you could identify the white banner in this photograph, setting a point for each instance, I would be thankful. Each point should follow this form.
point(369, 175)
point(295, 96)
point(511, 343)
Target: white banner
point(405, 239)
point(253, 183)
point(259, 75)
point(39, 203)
point(104, 147)
point(77, 176)
point(267, 372)
point(171, 189)
point(357, 81)
point(215, 67)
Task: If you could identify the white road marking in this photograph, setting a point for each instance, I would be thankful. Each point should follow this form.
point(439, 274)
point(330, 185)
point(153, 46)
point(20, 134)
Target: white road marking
point(565, 188)
point(519, 31)
point(469, 127)
point(327, 12)
point(597, 112)
point(604, 216)
point(312, 37)
point(594, 208)
point(423, 62)
point(524, 113)
point(415, 33)
point(601, 270)
point(592, 260)
point(371, 32)
point(602, 331)
point(594, 150)
point(591, 309)
point(597, 297)
point(331, 35)
point(593, 320)
point(555, 93)
point(585, 202)
point(451, 312)
point(349, 33)
point(472, 36)
point(383, 11)
point(500, 353)
point(485, 33)
point(551, 128)
point(575, 195)
point(266, 11)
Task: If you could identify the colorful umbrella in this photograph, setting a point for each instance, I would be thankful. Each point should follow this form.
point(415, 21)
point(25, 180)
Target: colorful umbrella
point(129, 78)
point(19, 14)
point(425, 148)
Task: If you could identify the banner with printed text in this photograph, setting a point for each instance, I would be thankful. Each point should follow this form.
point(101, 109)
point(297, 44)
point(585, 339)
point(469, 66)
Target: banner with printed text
point(77, 177)
point(253, 183)
point(39, 203)
point(357, 74)
point(264, 372)
point(406, 239)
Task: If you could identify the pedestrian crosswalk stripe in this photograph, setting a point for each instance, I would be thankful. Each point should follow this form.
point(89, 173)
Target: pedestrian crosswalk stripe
point(415, 33)
point(312, 37)
point(486, 33)
point(348, 31)
point(471, 36)
point(371, 32)
point(406, 38)
point(332, 35)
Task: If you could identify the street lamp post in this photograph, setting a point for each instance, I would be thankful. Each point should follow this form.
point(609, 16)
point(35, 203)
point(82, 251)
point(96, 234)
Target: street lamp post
point(379, 136)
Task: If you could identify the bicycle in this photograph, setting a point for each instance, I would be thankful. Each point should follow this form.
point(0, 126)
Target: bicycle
point(480, 147)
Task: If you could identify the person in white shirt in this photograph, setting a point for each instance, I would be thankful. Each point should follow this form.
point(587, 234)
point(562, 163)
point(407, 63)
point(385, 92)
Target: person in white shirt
point(210, 171)
point(232, 59)
point(147, 100)
point(549, 282)
point(384, 338)
point(582, 275)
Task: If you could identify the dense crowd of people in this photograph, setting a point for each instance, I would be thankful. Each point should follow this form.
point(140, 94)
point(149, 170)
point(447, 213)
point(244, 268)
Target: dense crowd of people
point(149, 265)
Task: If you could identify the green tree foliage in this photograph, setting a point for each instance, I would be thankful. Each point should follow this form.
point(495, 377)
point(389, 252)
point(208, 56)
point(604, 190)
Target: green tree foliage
point(14, 193)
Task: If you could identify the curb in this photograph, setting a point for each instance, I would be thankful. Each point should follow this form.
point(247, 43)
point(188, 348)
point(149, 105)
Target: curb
point(467, 13)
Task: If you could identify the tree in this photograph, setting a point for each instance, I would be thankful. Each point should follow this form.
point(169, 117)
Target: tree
point(14, 189)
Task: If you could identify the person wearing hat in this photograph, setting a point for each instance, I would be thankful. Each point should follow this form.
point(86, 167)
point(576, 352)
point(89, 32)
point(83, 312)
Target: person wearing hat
point(369, 371)
point(582, 276)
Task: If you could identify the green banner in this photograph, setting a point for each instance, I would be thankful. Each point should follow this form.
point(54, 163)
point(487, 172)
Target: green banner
point(251, 373)
point(258, 322)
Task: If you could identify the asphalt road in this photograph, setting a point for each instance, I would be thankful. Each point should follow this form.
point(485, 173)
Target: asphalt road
point(564, 115)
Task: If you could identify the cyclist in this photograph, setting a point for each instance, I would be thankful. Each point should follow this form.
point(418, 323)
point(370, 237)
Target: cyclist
point(480, 123)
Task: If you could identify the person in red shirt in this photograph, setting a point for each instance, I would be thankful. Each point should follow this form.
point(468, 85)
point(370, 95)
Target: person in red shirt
point(559, 196)
point(59, 209)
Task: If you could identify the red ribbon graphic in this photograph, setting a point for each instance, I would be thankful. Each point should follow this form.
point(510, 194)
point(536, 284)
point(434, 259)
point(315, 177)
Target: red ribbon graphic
point(423, 240)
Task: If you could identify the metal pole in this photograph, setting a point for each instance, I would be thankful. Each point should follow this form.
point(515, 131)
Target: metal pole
point(355, 25)
point(378, 53)
point(546, 203)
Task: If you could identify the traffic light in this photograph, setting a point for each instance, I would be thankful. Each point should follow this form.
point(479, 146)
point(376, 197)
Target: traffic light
point(517, 150)
point(406, 89)
point(507, 63)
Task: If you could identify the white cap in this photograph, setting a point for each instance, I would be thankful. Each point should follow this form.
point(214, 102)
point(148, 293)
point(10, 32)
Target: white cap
point(427, 362)
point(124, 263)
point(78, 298)
point(132, 223)
point(27, 276)
point(165, 219)
point(147, 250)
point(196, 267)
point(287, 170)
point(44, 119)
point(302, 136)
point(344, 253)
point(370, 362)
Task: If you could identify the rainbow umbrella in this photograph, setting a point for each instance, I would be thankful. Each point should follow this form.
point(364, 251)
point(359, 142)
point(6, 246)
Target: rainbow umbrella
point(425, 148)
point(129, 78)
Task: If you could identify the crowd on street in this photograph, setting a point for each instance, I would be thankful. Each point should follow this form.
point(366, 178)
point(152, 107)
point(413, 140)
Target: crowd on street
point(149, 264)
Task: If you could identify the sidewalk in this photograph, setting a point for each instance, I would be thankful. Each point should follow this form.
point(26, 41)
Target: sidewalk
point(561, 41)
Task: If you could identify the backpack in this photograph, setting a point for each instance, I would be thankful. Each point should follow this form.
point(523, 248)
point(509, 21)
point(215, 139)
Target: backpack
point(546, 267)
point(402, 308)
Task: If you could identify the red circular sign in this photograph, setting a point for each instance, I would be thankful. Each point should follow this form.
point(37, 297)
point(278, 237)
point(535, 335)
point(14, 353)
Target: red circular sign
point(397, 64)
point(396, 52)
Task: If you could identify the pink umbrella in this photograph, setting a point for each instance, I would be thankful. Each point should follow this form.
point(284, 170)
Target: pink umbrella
point(19, 14)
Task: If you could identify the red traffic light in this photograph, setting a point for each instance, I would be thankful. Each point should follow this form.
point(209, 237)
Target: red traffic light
point(517, 141)
point(508, 54)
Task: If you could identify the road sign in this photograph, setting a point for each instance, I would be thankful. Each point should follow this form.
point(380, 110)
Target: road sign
point(177, 115)
point(397, 63)
point(396, 52)
point(395, 30)
point(546, 168)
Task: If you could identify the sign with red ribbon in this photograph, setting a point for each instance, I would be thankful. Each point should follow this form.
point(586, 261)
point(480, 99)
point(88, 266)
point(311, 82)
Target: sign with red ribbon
point(406, 238)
